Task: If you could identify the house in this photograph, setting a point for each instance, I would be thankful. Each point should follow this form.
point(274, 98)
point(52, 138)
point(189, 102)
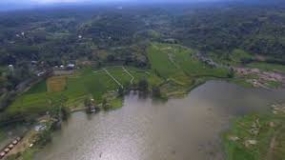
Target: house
point(70, 66)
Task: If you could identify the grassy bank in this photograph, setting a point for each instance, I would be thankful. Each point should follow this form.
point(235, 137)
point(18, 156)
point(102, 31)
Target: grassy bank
point(257, 137)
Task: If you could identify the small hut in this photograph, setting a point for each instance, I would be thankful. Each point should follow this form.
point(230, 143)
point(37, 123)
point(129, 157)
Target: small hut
point(2, 154)
point(6, 150)
point(11, 146)
point(15, 142)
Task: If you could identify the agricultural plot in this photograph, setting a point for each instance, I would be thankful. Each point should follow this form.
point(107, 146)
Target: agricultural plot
point(38, 88)
point(74, 88)
point(153, 79)
point(160, 63)
point(177, 62)
point(56, 84)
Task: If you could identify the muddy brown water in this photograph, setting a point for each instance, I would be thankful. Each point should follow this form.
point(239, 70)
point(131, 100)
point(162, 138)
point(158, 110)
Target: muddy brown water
point(179, 129)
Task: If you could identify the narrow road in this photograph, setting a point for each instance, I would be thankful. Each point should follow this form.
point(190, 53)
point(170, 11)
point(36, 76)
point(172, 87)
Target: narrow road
point(170, 57)
point(109, 74)
point(132, 80)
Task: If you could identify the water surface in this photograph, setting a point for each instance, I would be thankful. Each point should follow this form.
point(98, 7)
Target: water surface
point(180, 129)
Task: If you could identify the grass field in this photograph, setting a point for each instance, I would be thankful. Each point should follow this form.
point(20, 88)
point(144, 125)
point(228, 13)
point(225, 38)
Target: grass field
point(182, 62)
point(256, 137)
point(178, 66)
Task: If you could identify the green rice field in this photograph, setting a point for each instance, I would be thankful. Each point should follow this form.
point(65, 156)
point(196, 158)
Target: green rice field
point(172, 67)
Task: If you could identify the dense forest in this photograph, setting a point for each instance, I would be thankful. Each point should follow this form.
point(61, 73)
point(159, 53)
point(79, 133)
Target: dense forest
point(33, 40)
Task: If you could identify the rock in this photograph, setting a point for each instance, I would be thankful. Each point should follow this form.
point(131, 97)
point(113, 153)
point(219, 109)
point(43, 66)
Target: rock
point(274, 106)
point(274, 112)
point(257, 122)
point(254, 131)
point(253, 125)
point(248, 143)
point(252, 142)
point(233, 138)
point(271, 124)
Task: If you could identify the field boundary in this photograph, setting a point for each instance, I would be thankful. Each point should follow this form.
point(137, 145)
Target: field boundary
point(110, 75)
point(132, 80)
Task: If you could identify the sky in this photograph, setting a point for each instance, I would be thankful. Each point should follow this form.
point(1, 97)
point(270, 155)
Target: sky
point(78, 1)
point(6, 5)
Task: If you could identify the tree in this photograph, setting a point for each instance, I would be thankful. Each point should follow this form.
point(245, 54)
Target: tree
point(121, 92)
point(143, 85)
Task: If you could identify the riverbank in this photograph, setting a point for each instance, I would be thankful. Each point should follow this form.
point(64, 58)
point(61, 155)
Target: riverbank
point(257, 136)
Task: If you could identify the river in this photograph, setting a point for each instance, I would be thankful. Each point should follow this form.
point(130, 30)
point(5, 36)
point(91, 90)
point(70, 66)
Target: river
point(179, 129)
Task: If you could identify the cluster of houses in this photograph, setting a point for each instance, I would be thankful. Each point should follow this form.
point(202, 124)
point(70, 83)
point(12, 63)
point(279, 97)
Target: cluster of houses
point(261, 78)
point(69, 66)
point(208, 61)
point(9, 147)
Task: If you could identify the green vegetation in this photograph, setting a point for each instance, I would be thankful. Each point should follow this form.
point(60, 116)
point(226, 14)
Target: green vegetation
point(116, 103)
point(28, 154)
point(241, 82)
point(175, 61)
point(238, 55)
point(274, 84)
point(36, 41)
point(88, 82)
point(255, 137)
point(179, 68)
point(2, 135)
point(38, 88)
point(232, 34)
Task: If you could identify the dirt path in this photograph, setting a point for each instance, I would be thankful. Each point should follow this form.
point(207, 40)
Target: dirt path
point(170, 57)
point(273, 144)
point(132, 80)
point(269, 155)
